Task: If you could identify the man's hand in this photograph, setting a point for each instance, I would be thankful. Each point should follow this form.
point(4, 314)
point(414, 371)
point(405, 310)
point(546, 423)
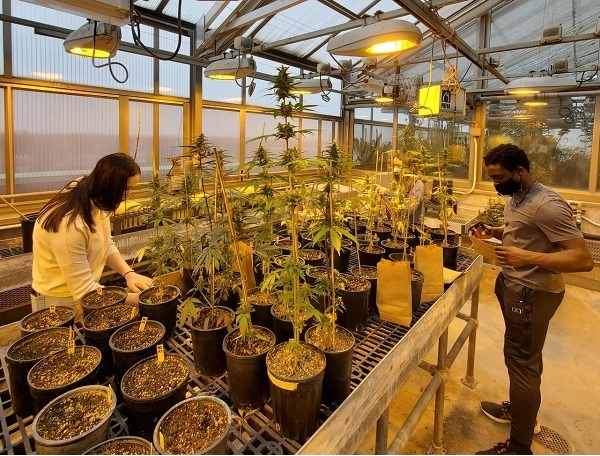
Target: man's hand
point(137, 282)
point(513, 256)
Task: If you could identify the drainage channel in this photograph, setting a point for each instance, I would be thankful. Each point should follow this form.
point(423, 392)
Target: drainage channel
point(252, 431)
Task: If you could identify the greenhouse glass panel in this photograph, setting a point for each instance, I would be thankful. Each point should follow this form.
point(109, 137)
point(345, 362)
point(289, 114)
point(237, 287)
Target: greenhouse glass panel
point(255, 125)
point(222, 128)
point(60, 137)
point(170, 133)
point(331, 107)
point(362, 113)
point(383, 114)
point(310, 141)
point(557, 138)
point(191, 10)
point(174, 77)
point(326, 133)
point(141, 118)
point(2, 132)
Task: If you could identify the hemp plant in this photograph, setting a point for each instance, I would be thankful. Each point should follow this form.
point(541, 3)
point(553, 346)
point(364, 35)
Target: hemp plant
point(442, 193)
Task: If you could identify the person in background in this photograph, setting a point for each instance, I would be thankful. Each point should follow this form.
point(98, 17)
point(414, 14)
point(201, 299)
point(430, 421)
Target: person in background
point(540, 241)
point(407, 173)
point(72, 236)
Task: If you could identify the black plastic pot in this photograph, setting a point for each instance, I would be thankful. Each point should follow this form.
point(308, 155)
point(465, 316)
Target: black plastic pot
point(297, 403)
point(124, 359)
point(342, 261)
point(187, 281)
point(165, 312)
point(261, 315)
point(99, 338)
point(391, 249)
point(307, 242)
point(286, 249)
point(313, 262)
point(400, 257)
point(361, 226)
point(450, 256)
point(207, 345)
point(42, 396)
point(18, 367)
point(416, 288)
point(144, 413)
point(338, 371)
point(363, 239)
point(27, 225)
point(383, 232)
point(356, 304)
point(135, 445)
point(437, 235)
point(64, 324)
point(373, 292)
point(283, 329)
point(370, 258)
point(86, 309)
point(247, 375)
point(220, 446)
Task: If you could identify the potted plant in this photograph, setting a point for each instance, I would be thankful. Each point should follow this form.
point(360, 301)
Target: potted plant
point(369, 252)
point(47, 318)
point(123, 445)
point(296, 411)
point(102, 296)
point(75, 421)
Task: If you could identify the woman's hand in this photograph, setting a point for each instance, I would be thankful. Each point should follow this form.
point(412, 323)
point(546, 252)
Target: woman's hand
point(132, 299)
point(137, 282)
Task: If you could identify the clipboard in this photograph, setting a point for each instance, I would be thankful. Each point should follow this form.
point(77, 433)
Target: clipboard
point(485, 249)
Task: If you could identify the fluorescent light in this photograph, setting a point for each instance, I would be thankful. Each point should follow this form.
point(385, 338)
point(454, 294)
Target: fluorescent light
point(308, 86)
point(535, 104)
point(95, 39)
point(383, 99)
point(539, 84)
point(380, 38)
point(230, 69)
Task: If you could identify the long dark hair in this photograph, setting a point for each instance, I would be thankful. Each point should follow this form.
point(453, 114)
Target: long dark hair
point(105, 186)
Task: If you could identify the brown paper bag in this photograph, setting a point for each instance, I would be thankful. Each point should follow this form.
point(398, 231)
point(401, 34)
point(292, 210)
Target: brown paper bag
point(394, 299)
point(247, 271)
point(429, 259)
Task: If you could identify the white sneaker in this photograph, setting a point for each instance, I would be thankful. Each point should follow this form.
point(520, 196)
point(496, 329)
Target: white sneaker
point(537, 428)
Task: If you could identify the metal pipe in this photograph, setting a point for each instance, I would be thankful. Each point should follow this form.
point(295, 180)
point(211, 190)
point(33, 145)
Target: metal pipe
point(431, 368)
point(460, 341)
point(381, 433)
point(463, 316)
point(469, 379)
point(541, 96)
point(415, 415)
point(438, 419)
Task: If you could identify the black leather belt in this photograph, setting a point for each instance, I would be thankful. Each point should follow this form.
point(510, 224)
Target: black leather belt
point(35, 293)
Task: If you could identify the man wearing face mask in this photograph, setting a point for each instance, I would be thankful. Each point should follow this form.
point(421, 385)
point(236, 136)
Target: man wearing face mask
point(540, 241)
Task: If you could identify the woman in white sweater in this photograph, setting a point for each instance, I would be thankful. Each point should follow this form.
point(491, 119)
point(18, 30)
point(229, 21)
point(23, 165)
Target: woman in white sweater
point(72, 241)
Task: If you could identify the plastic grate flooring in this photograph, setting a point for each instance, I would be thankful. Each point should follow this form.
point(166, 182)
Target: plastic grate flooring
point(553, 441)
point(594, 248)
point(252, 431)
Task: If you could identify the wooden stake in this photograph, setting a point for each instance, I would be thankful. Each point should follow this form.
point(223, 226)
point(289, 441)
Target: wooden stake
point(14, 208)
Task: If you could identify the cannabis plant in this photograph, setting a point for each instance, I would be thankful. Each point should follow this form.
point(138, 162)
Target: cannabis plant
point(443, 194)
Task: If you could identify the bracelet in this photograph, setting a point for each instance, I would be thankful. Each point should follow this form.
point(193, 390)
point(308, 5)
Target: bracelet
point(128, 273)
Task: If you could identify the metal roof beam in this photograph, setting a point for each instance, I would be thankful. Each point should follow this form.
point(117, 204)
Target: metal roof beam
point(339, 9)
point(207, 19)
point(422, 12)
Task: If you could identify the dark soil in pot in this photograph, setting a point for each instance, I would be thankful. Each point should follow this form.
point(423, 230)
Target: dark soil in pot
point(75, 421)
point(150, 388)
point(160, 304)
point(123, 445)
point(338, 368)
point(129, 345)
point(296, 386)
point(246, 370)
point(312, 257)
point(208, 332)
point(42, 319)
point(102, 297)
point(198, 425)
point(23, 355)
point(99, 325)
point(392, 246)
point(370, 256)
point(62, 371)
point(369, 273)
point(355, 296)
point(262, 303)
point(286, 246)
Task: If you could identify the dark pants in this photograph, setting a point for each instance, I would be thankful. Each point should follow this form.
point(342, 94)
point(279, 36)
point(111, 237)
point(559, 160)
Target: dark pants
point(527, 313)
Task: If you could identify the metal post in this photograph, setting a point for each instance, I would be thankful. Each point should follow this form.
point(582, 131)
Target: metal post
point(469, 379)
point(381, 433)
point(438, 420)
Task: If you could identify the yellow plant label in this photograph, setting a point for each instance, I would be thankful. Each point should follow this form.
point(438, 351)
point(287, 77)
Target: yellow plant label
point(71, 347)
point(109, 394)
point(52, 308)
point(161, 440)
point(133, 309)
point(143, 324)
point(160, 353)
point(290, 386)
point(71, 333)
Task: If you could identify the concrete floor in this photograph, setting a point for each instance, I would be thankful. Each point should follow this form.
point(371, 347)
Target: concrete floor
point(571, 397)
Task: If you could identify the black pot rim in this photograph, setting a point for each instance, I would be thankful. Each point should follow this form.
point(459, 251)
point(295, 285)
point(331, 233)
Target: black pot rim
point(207, 450)
point(21, 340)
point(123, 328)
point(65, 442)
point(55, 354)
point(141, 302)
point(374, 248)
point(294, 380)
point(22, 328)
point(162, 396)
point(359, 278)
point(385, 243)
point(258, 355)
point(102, 309)
point(114, 439)
point(338, 327)
point(195, 328)
point(277, 316)
point(312, 250)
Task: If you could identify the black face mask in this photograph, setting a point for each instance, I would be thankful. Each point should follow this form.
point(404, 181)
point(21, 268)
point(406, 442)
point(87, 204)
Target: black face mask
point(510, 186)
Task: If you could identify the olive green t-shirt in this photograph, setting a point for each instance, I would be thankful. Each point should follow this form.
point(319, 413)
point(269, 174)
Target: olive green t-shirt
point(536, 219)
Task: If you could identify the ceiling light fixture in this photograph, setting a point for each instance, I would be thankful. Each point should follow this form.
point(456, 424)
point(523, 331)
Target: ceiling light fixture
point(308, 86)
point(95, 39)
point(540, 84)
point(380, 38)
point(535, 104)
point(231, 69)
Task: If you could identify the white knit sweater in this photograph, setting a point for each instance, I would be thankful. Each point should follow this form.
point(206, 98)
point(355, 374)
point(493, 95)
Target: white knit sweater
point(70, 262)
